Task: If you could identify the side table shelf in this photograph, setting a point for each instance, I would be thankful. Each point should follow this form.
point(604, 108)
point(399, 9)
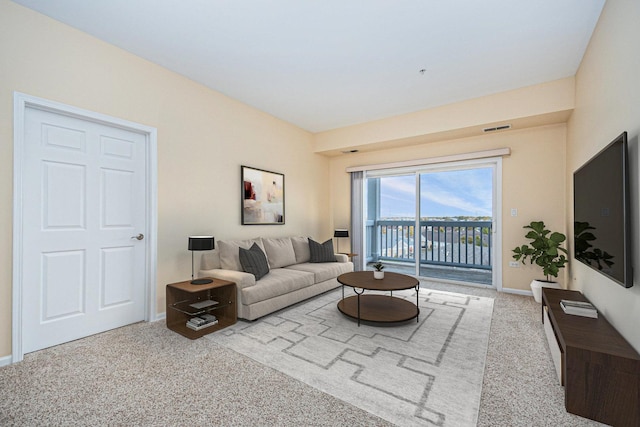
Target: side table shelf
point(185, 306)
point(181, 296)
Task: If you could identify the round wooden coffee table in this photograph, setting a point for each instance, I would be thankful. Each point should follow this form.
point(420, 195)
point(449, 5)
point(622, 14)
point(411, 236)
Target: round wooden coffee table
point(376, 307)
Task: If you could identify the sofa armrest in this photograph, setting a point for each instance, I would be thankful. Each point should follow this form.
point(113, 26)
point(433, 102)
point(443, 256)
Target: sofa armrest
point(342, 258)
point(241, 279)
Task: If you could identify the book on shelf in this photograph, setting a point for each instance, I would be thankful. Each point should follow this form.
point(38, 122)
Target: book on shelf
point(208, 317)
point(204, 304)
point(197, 321)
point(205, 325)
point(579, 308)
point(203, 321)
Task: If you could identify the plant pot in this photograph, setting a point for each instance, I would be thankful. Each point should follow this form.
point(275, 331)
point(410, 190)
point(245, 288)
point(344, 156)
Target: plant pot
point(537, 285)
point(378, 274)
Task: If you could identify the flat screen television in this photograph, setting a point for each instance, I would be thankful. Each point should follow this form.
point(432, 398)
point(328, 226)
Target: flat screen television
point(602, 218)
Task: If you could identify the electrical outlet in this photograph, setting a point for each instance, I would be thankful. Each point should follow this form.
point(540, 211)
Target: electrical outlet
point(514, 264)
point(514, 211)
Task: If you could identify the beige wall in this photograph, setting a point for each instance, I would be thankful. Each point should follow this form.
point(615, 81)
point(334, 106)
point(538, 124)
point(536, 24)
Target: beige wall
point(530, 106)
point(607, 103)
point(203, 138)
point(532, 181)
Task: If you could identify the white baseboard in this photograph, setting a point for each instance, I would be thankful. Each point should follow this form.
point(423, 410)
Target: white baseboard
point(5, 361)
point(160, 316)
point(517, 292)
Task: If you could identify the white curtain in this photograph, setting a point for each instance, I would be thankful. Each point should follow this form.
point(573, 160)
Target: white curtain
point(357, 224)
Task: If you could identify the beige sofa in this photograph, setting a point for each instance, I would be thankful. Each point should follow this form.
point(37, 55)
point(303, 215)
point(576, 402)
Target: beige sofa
point(291, 278)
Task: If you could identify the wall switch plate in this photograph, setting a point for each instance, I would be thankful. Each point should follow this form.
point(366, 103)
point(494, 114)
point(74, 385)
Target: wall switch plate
point(514, 212)
point(514, 264)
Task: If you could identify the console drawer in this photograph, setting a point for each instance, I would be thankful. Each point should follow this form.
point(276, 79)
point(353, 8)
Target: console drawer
point(556, 353)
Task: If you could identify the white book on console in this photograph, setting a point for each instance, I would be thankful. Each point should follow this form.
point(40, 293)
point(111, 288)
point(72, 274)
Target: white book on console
point(585, 312)
point(580, 304)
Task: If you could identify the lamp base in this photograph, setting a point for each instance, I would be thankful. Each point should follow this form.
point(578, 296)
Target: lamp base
point(201, 281)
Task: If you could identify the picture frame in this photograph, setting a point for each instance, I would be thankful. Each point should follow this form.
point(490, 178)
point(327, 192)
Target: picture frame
point(262, 196)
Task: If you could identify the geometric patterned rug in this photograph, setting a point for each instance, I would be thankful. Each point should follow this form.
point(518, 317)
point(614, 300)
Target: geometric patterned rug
point(427, 372)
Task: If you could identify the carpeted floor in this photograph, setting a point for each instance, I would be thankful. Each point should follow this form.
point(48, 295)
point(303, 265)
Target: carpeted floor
point(147, 375)
point(425, 371)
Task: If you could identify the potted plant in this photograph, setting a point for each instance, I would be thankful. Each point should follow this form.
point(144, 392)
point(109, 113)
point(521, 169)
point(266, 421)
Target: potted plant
point(378, 273)
point(545, 251)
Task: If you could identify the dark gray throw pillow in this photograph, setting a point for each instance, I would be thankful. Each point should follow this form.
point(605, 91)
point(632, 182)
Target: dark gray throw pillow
point(322, 252)
point(254, 261)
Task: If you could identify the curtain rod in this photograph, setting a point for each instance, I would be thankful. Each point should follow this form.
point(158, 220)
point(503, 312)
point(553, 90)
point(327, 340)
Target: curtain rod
point(432, 160)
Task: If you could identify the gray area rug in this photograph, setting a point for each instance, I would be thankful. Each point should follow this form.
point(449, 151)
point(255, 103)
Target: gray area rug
point(428, 372)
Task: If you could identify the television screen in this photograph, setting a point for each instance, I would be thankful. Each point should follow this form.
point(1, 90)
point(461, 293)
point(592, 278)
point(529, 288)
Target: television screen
point(602, 232)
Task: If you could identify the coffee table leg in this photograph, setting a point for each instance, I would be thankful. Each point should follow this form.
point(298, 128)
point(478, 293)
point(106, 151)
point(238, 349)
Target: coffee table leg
point(418, 302)
point(358, 293)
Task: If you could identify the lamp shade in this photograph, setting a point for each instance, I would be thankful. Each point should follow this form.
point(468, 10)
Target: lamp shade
point(341, 233)
point(201, 243)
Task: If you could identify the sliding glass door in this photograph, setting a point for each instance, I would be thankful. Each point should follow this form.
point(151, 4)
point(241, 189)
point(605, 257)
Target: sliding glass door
point(390, 221)
point(456, 222)
point(434, 222)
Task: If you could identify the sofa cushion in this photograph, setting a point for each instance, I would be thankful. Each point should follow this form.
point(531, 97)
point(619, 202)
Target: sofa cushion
point(210, 260)
point(322, 252)
point(301, 248)
point(278, 282)
point(279, 252)
point(254, 261)
point(323, 271)
point(229, 258)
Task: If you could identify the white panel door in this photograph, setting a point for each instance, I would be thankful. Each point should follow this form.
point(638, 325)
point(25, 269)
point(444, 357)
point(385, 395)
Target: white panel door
point(83, 206)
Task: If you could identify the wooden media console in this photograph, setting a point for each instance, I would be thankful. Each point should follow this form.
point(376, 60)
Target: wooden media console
point(598, 368)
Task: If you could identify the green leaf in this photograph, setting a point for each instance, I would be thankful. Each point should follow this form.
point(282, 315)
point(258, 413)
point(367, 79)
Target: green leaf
point(558, 237)
point(544, 248)
point(538, 226)
point(531, 235)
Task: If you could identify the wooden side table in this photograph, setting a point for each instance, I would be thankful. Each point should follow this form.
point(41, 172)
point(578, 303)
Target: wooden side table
point(182, 296)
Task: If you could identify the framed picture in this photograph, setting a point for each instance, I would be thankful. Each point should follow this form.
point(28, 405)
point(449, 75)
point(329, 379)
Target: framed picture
point(262, 196)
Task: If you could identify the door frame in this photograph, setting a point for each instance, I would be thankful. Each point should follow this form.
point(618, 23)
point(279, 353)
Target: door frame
point(23, 101)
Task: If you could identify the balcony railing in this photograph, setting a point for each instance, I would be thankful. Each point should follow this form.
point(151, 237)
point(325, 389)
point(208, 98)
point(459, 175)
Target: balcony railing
point(447, 243)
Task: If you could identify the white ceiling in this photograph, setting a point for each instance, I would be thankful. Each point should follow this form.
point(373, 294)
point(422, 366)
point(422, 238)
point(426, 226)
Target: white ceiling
point(324, 64)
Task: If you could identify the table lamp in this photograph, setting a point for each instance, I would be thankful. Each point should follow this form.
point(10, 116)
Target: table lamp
point(200, 243)
point(340, 232)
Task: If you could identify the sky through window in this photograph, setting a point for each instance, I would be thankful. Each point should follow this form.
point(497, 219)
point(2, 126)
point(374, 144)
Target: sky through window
point(443, 194)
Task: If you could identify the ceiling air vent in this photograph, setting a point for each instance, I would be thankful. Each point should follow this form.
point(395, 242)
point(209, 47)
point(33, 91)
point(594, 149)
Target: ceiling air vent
point(493, 129)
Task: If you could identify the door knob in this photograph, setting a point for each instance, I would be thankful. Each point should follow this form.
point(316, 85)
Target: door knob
point(138, 237)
